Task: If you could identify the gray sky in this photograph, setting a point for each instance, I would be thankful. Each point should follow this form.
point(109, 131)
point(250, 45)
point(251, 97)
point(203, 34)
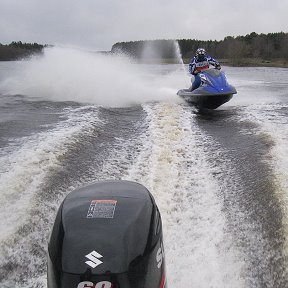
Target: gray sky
point(98, 24)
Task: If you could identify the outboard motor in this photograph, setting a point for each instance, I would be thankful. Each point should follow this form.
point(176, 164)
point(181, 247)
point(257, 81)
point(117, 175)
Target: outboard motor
point(107, 235)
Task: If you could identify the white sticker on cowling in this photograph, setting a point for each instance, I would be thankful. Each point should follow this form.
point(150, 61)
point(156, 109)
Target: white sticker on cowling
point(88, 284)
point(101, 209)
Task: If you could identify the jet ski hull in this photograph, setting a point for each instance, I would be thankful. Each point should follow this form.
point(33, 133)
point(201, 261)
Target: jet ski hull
point(206, 101)
point(213, 92)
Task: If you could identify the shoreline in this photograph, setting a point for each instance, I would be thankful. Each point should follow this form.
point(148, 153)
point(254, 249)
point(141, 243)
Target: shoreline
point(19, 51)
point(252, 62)
point(247, 62)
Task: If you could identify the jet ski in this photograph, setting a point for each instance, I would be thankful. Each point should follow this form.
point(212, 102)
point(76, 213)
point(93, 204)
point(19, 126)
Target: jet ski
point(213, 91)
point(107, 235)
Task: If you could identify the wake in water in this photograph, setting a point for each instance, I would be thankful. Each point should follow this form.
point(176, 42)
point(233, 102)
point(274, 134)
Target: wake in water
point(165, 146)
point(169, 159)
point(106, 80)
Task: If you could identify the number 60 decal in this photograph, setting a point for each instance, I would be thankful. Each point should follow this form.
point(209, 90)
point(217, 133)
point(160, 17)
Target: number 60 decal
point(88, 284)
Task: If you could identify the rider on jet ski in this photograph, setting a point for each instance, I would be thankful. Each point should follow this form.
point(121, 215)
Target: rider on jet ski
point(201, 61)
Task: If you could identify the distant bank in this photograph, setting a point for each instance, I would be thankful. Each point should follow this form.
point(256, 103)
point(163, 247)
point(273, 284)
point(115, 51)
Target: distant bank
point(255, 62)
point(18, 50)
point(250, 50)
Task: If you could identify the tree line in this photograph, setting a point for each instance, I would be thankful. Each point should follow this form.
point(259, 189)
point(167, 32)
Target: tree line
point(256, 46)
point(18, 50)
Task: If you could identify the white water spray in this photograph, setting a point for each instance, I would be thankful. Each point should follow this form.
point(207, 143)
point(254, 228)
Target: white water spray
point(73, 75)
point(178, 55)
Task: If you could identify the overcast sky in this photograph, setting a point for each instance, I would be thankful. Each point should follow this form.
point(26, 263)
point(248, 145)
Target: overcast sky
point(98, 24)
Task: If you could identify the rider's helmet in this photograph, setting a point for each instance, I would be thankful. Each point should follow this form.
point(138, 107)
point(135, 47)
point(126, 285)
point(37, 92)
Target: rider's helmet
point(200, 53)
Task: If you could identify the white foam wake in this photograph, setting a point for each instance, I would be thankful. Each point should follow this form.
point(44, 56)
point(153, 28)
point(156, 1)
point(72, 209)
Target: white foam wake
point(173, 165)
point(274, 123)
point(24, 170)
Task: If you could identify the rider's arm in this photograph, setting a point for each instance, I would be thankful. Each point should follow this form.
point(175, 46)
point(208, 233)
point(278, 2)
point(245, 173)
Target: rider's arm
point(192, 66)
point(214, 62)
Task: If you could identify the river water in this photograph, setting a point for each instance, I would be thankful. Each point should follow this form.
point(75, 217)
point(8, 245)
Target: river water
point(220, 178)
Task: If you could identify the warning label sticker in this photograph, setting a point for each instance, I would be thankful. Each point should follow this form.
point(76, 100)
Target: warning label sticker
point(102, 209)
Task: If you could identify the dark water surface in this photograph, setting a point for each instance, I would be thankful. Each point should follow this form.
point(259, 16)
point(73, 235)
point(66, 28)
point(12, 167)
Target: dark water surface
point(219, 177)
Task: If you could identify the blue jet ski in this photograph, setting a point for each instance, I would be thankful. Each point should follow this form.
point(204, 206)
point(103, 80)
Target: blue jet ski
point(213, 91)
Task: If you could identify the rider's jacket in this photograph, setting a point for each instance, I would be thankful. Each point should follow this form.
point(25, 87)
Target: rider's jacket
point(196, 66)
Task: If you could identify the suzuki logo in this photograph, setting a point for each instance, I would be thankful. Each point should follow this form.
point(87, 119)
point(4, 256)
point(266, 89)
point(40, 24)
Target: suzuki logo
point(94, 259)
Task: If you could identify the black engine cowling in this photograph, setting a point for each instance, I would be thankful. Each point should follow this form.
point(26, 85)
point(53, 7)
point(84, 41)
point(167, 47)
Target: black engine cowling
point(107, 235)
